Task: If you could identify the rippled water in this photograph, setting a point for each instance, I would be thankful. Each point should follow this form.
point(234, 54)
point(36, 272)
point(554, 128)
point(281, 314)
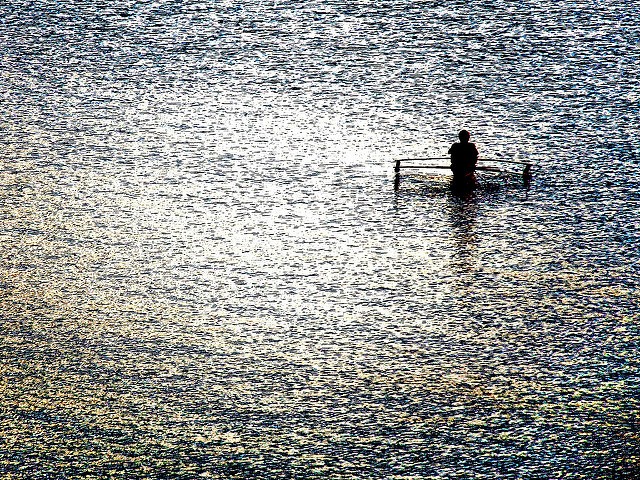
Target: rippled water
point(205, 271)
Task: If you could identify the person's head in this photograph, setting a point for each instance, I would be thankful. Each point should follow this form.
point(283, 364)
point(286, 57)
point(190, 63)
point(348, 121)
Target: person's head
point(464, 136)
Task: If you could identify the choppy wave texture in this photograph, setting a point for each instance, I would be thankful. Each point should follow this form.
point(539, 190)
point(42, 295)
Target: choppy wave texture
point(205, 271)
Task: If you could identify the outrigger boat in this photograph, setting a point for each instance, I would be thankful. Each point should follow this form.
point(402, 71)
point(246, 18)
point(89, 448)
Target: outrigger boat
point(484, 165)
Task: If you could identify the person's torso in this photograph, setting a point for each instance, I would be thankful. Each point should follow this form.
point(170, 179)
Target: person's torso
point(464, 150)
point(463, 156)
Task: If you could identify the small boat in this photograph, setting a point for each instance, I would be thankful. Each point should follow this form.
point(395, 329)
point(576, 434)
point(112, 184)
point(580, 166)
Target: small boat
point(484, 165)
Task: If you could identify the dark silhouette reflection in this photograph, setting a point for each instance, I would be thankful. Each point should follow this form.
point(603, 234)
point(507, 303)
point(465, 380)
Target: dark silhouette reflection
point(463, 209)
point(463, 187)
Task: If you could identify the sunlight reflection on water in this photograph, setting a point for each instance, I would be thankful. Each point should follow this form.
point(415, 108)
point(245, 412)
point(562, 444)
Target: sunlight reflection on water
point(206, 272)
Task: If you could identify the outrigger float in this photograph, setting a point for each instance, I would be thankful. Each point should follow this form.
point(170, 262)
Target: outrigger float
point(482, 167)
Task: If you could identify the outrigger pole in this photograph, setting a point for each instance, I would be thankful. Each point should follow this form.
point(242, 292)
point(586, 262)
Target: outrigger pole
point(526, 172)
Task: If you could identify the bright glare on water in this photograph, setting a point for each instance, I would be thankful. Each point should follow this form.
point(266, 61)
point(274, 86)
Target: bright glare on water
point(206, 272)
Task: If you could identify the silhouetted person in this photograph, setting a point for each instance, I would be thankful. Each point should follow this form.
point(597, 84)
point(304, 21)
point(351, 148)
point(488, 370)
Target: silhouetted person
point(464, 156)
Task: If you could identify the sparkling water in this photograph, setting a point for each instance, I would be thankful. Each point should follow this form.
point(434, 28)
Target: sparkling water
point(206, 272)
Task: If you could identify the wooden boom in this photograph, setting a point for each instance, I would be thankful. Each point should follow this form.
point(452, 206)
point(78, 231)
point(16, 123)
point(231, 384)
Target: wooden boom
point(448, 158)
point(526, 172)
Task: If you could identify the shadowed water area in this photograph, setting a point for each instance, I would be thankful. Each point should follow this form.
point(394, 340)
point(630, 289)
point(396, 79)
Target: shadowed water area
point(205, 271)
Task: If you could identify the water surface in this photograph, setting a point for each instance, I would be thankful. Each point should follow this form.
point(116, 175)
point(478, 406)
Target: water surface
point(205, 271)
